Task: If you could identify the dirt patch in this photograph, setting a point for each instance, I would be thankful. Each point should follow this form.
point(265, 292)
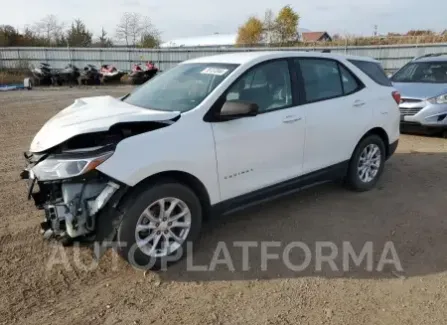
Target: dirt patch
point(8, 77)
point(407, 208)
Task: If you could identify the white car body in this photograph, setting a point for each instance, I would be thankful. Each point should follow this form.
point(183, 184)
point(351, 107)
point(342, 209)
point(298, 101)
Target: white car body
point(235, 158)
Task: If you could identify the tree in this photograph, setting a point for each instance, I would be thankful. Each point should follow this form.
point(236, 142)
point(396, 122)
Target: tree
point(420, 33)
point(336, 37)
point(136, 27)
point(133, 27)
point(123, 28)
point(150, 41)
point(30, 38)
point(286, 25)
point(78, 35)
point(9, 36)
point(251, 32)
point(103, 40)
point(49, 28)
point(269, 26)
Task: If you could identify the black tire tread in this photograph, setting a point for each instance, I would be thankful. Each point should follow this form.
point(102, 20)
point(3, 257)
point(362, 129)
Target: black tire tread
point(352, 180)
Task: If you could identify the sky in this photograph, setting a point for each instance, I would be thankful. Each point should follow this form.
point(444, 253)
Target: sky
point(176, 18)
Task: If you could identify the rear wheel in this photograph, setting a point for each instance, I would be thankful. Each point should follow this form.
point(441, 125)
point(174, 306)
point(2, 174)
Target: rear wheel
point(366, 164)
point(158, 225)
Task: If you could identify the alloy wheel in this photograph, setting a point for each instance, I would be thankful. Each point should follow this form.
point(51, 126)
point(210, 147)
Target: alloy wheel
point(369, 163)
point(163, 227)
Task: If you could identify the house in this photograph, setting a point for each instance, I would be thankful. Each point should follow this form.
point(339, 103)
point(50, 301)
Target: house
point(312, 37)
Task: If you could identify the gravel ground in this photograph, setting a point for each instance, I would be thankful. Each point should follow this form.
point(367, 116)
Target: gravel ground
point(407, 209)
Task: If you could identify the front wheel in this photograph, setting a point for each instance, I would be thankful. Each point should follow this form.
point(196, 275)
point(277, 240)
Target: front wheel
point(158, 225)
point(366, 164)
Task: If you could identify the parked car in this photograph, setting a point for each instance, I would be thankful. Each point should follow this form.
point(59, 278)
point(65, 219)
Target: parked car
point(423, 85)
point(208, 137)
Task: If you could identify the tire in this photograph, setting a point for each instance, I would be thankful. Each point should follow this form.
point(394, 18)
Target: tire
point(141, 257)
point(359, 181)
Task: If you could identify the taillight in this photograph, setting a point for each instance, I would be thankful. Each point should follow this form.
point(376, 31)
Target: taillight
point(396, 96)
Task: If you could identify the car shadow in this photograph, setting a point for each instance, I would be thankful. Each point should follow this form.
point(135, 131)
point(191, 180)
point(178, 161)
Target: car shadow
point(403, 217)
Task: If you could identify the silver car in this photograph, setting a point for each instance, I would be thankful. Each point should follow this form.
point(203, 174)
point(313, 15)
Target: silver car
point(422, 84)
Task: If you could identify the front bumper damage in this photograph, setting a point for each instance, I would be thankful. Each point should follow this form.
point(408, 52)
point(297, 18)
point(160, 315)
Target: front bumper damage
point(82, 208)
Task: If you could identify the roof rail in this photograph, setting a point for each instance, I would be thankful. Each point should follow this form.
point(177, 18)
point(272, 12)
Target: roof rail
point(428, 55)
point(323, 51)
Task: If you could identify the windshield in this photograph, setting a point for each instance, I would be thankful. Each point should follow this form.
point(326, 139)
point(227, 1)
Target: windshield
point(181, 88)
point(429, 72)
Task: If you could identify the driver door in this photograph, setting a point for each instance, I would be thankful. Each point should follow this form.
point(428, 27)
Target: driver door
point(266, 149)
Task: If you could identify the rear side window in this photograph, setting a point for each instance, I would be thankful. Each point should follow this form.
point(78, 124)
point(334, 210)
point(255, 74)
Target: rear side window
point(374, 71)
point(325, 79)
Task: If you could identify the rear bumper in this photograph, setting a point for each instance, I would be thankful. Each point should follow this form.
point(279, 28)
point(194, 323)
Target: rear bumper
point(392, 148)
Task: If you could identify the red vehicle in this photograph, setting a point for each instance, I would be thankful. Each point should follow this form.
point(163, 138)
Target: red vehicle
point(110, 73)
point(139, 76)
point(136, 68)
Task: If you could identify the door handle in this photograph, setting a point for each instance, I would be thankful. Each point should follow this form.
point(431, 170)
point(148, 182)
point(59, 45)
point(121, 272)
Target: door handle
point(291, 119)
point(359, 103)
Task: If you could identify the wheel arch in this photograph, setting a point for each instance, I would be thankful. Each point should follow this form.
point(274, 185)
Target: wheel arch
point(382, 134)
point(181, 177)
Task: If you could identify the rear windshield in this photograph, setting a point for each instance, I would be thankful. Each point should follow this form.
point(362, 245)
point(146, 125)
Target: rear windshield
point(374, 71)
point(429, 72)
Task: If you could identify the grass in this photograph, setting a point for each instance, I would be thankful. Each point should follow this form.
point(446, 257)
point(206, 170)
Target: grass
point(11, 77)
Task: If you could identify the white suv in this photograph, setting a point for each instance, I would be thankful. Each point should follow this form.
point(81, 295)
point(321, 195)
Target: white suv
point(208, 137)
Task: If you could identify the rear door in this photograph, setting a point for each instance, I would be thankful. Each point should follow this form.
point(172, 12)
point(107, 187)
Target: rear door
point(337, 109)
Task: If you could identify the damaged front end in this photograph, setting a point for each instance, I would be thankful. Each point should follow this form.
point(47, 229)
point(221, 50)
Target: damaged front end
point(71, 191)
point(80, 202)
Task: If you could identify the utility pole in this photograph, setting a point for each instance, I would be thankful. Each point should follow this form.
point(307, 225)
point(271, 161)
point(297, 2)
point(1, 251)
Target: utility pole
point(375, 30)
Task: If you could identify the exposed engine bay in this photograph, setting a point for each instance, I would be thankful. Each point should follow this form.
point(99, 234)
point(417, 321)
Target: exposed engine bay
point(64, 181)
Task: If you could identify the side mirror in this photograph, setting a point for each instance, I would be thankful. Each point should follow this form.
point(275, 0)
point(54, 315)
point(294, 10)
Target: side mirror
point(389, 75)
point(234, 109)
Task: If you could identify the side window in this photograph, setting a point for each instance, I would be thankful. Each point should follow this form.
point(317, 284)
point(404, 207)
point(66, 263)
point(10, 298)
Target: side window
point(374, 70)
point(350, 84)
point(321, 79)
point(267, 85)
point(259, 79)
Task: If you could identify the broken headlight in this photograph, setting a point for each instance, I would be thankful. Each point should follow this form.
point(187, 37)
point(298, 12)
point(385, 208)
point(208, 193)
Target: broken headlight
point(55, 167)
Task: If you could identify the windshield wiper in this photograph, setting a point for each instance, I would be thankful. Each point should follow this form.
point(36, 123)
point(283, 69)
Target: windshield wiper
point(125, 96)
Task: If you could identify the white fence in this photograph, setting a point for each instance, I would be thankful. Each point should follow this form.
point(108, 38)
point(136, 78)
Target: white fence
point(391, 56)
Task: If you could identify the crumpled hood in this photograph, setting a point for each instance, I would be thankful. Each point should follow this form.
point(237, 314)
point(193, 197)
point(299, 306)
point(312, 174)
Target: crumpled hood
point(420, 90)
point(92, 114)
